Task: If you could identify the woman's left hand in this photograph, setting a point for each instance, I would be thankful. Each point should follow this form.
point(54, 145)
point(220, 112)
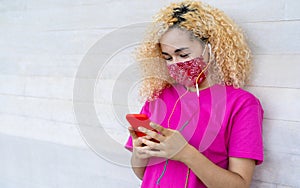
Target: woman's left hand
point(171, 143)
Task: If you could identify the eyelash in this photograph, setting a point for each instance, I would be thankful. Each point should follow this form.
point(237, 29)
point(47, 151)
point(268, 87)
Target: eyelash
point(183, 56)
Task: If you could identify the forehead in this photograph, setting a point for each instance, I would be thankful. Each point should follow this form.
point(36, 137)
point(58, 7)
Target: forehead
point(176, 38)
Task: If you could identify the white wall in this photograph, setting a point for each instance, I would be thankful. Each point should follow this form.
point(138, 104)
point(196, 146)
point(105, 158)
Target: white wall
point(42, 44)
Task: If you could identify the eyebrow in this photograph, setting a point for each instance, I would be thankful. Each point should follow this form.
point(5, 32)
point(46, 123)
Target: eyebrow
point(176, 51)
point(180, 49)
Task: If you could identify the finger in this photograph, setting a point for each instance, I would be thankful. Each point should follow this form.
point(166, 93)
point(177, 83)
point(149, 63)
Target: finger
point(159, 128)
point(138, 142)
point(150, 144)
point(141, 151)
point(147, 137)
point(132, 132)
point(140, 154)
point(155, 153)
point(152, 134)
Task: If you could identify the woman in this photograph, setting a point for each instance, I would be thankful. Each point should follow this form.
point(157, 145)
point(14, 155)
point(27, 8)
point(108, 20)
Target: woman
point(208, 131)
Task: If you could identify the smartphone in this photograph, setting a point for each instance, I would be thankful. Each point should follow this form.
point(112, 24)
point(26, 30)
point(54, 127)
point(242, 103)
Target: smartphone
point(139, 120)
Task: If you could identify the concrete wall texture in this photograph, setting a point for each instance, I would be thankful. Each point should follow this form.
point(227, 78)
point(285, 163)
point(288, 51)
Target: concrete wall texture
point(42, 44)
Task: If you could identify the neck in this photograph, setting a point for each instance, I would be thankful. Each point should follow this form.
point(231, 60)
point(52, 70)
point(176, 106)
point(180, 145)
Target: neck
point(202, 86)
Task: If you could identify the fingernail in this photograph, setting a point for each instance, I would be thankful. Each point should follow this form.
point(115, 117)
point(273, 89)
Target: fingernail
point(141, 128)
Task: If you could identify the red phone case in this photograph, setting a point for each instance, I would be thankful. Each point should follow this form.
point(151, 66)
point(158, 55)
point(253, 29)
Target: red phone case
point(138, 120)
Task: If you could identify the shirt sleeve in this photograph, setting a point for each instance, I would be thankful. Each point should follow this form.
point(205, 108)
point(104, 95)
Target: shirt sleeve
point(144, 110)
point(246, 132)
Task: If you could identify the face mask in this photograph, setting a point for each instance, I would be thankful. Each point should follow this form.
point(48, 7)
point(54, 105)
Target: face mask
point(189, 72)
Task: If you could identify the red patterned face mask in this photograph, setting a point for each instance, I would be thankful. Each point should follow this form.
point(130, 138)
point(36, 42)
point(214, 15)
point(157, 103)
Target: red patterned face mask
point(186, 73)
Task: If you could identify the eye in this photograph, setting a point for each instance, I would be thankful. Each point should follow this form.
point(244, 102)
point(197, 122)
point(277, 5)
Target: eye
point(167, 58)
point(184, 55)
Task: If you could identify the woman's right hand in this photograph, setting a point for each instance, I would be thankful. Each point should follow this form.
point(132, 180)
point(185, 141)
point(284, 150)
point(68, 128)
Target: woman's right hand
point(139, 157)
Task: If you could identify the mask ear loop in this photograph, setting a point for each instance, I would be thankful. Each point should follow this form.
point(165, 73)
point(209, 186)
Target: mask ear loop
point(205, 67)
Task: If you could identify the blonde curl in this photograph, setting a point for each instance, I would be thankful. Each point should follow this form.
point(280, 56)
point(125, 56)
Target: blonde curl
point(231, 54)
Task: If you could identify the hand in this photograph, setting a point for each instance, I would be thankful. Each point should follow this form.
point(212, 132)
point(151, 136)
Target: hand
point(171, 143)
point(138, 153)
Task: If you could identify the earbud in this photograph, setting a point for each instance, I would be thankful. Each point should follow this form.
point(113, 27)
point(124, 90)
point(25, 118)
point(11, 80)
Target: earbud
point(209, 46)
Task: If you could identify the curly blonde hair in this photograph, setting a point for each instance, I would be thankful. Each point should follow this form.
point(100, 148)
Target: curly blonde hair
point(231, 54)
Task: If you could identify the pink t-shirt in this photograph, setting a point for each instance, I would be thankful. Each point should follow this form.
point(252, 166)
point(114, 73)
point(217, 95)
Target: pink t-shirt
point(222, 122)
